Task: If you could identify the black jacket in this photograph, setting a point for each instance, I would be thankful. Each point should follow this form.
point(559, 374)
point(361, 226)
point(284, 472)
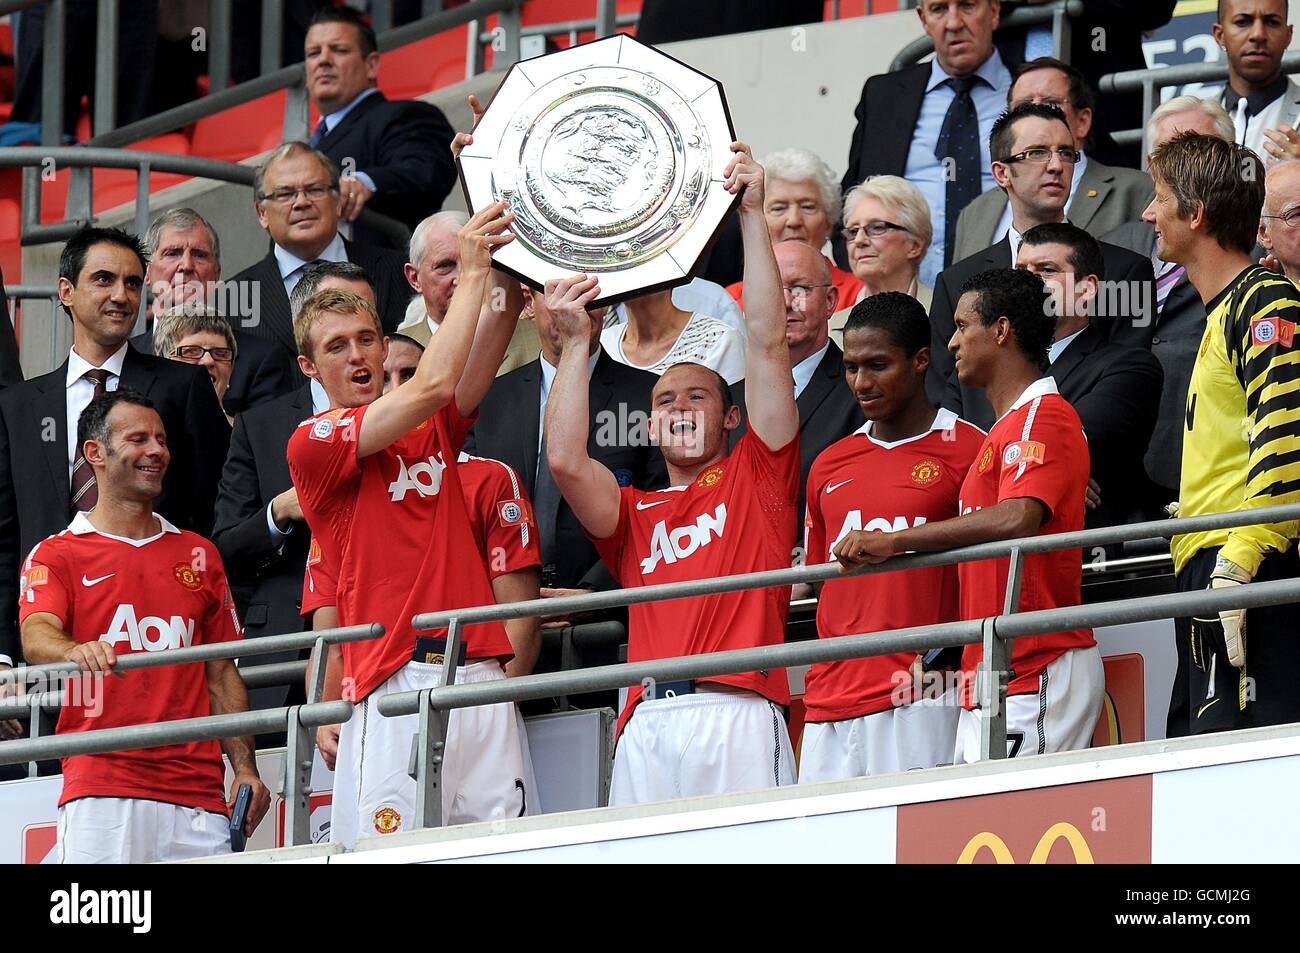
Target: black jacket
point(274, 320)
point(11, 371)
point(1135, 328)
point(509, 428)
point(265, 574)
point(34, 481)
point(263, 370)
point(405, 147)
point(1116, 391)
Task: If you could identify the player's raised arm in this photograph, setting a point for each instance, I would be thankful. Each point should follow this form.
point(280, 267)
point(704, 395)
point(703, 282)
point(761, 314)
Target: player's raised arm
point(442, 366)
point(590, 489)
point(769, 391)
point(503, 300)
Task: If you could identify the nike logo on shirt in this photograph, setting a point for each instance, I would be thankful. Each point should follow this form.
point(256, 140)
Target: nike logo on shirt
point(91, 582)
point(832, 487)
point(643, 505)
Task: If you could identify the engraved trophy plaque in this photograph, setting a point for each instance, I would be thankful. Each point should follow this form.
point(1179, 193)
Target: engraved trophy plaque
point(611, 156)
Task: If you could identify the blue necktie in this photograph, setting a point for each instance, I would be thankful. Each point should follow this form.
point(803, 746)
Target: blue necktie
point(958, 149)
point(319, 134)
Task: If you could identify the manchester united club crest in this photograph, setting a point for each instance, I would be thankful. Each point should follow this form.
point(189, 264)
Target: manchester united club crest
point(926, 472)
point(188, 576)
point(387, 820)
point(711, 476)
point(985, 459)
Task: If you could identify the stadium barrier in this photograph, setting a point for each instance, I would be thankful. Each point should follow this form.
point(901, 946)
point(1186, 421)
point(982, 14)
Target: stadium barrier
point(434, 706)
point(1059, 13)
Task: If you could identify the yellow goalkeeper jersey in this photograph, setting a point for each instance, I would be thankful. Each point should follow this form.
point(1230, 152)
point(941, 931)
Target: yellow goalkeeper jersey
point(1241, 437)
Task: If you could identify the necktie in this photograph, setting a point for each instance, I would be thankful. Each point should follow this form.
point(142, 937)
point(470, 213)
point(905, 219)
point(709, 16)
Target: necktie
point(1170, 275)
point(958, 150)
point(1239, 120)
point(546, 505)
point(1038, 42)
point(84, 492)
point(319, 134)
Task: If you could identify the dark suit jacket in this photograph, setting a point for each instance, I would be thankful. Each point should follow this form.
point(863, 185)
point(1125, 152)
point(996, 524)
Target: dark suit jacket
point(263, 370)
point(265, 574)
point(1178, 329)
point(34, 483)
point(1115, 389)
point(11, 371)
point(509, 428)
point(1123, 266)
point(274, 321)
point(405, 147)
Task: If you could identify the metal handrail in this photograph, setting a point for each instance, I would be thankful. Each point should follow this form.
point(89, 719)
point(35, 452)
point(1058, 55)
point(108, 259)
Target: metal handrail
point(1156, 78)
point(1002, 549)
point(1058, 14)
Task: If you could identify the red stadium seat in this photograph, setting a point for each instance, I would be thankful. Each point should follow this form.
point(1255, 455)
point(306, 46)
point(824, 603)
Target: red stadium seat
point(243, 131)
point(412, 71)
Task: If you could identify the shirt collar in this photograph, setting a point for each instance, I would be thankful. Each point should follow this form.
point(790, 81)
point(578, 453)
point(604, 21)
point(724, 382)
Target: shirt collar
point(82, 526)
point(944, 419)
point(1039, 388)
point(288, 262)
point(334, 118)
point(78, 365)
point(989, 71)
point(549, 369)
point(804, 370)
point(1257, 101)
point(320, 401)
point(1058, 347)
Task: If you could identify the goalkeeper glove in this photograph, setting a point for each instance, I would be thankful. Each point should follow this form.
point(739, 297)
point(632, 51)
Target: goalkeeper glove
point(1227, 573)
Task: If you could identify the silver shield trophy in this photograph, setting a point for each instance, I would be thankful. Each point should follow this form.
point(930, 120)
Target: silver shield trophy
point(611, 156)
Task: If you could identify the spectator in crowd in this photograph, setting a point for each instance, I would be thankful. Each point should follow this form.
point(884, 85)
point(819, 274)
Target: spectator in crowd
point(1029, 479)
point(658, 334)
point(1114, 388)
point(1101, 197)
point(259, 526)
point(372, 456)
point(432, 272)
point(44, 478)
point(1180, 313)
point(667, 21)
point(11, 371)
point(1106, 38)
point(828, 410)
point(509, 429)
point(944, 111)
point(1034, 149)
point(887, 230)
point(184, 253)
point(1241, 445)
point(669, 744)
point(246, 34)
point(1279, 226)
point(803, 204)
point(296, 197)
point(403, 358)
point(904, 466)
point(198, 335)
point(160, 803)
point(394, 153)
point(1263, 101)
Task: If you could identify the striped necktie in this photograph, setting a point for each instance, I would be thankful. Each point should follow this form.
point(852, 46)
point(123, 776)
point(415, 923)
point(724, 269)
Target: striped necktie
point(1170, 274)
point(85, 494)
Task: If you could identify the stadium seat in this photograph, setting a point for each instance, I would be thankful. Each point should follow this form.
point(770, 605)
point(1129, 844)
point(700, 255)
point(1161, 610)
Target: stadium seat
point(412, 71)
point(243, 131)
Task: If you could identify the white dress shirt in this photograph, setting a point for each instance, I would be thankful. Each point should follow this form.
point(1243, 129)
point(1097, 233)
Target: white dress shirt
point(803, 371)
point(291, 266)
point(548, 378)
point(81, 391)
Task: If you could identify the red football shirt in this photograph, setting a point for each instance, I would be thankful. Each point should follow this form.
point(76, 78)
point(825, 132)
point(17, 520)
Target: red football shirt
point(1037, 450)
point(862, 483)
point(394, 524)
point(138, 595)
point(500, 516)
point(738, 516)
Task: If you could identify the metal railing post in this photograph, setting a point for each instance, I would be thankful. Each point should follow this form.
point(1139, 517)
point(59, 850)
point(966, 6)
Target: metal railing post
point(605, 12)
point(473, 50)
point(381, 15)
point(80, 206)
point(299, 751)
point(297, 113)
point(218, 45)
point(316, 673)
point(1061, 34)
point(142, 200)
point(272, 35)
point(52, 75)
point(1148, 105)
point(994, 674)
point(429, 7)
point(107, 27)
point(509, 22)
point(431, 746)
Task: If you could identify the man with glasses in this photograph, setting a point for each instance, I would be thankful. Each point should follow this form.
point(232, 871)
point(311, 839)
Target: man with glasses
point(1279, 225)
point(1034, 154)
point(1102, 197)
point(296, 197)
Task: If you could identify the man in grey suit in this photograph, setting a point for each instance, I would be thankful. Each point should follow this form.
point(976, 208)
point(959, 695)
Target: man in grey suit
point(1263, 102)
point(1101, 198)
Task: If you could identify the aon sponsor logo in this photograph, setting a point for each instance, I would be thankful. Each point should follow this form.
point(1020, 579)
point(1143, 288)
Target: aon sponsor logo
point(150, 634)
point(671, 545)
point(425, 478)
point(877, 524)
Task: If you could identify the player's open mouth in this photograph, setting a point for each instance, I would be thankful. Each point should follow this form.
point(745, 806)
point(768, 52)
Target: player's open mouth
point(361, 377)
point(680, 428)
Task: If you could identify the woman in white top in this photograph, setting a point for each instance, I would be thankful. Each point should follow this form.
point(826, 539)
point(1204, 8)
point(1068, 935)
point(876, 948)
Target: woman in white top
point(887, 229)
point(658, 335)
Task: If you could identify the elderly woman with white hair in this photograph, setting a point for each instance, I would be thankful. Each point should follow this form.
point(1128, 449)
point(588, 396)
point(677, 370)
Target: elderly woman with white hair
point(801, 202)
point(887, 229)
point(198, 335)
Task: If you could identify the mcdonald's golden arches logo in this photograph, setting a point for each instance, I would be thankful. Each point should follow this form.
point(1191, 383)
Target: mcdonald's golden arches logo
point(995, 845)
